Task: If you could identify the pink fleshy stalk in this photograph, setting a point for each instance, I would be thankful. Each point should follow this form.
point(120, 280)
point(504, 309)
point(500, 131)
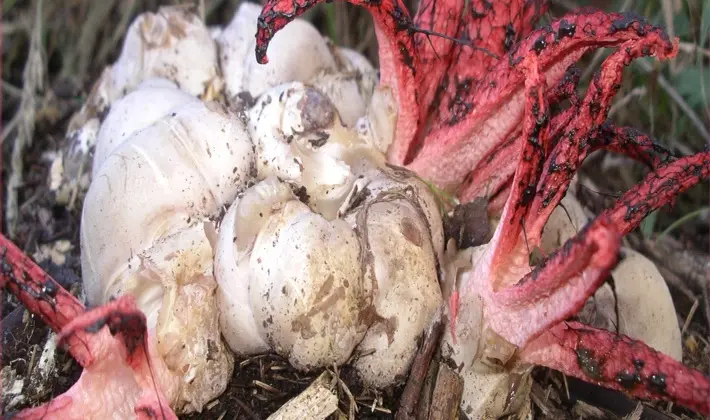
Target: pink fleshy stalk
point(110, 343)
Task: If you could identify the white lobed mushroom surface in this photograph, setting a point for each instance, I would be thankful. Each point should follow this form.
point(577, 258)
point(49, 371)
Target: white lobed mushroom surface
point(249, 208)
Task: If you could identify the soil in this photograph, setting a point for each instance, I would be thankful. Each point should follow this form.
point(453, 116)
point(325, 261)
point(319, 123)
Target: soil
point(261, 384)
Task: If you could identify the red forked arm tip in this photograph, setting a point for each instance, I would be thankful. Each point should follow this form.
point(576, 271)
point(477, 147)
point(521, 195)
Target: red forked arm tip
point(619, 362)
point(104, 341)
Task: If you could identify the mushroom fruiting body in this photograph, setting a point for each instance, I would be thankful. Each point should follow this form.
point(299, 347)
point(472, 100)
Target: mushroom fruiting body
point(143, 233)
point(294, 169)
point(306, 262)
point(172, 44)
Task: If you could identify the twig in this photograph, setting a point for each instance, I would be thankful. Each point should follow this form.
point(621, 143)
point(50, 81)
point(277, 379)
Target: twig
point(33, 76)
point(427, 392)
point(246, 409)
point(687, 264)
point(447, 395)
point(420, 367)
point(689, 318)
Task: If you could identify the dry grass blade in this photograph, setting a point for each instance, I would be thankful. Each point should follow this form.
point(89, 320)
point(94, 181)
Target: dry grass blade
point(637, 92)
point(266, 387)
point(636, 414)
point(34, 75)
point(678, 99)
point(127, 9)
point(79, 58)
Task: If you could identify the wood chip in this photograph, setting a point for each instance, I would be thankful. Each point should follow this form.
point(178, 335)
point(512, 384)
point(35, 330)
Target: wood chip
point(447, 395)
point(316, 402)
point(420, 367)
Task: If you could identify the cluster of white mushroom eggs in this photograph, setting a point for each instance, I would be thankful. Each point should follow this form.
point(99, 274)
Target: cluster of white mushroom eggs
point(251, 204)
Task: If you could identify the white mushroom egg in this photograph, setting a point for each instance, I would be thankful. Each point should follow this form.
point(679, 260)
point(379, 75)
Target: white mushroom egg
point(350, 86)
point(645, 306)
point(152, 100)
point(310, 302)
point(143, 233)
point(287, 50)
point(402, 277)
point(298, 137)
point(237, 235)
point(236, 41)
point(344, 75)
point(298, 274)
point(174, 44)
point(322, 290)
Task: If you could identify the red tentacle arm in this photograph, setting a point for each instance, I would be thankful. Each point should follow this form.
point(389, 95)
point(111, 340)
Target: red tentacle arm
point(483, 116)
point(440, 21)
point(43, 296)
point(659, 188)
point(502, 276)
point(569, 153)
point(618, 362)
point(557, 288)
point(111, 343)
point(484, 32)
point(496, 170)
point(630, 142)
point(398, 58)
